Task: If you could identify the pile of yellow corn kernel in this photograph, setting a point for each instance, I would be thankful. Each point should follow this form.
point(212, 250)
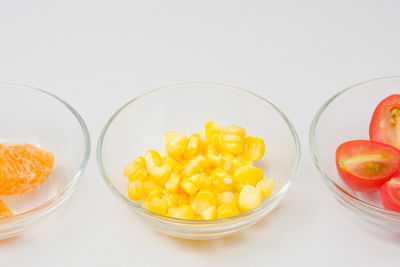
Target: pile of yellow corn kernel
point(205, 176)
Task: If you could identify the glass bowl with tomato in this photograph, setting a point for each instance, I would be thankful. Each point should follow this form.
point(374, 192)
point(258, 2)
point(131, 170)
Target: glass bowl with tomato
point(355, 144)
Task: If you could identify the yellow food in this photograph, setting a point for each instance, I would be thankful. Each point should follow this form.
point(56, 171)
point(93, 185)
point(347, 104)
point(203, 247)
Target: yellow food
point(204, 176)
point(203, 200)
point(175, 143)
point(254, 147)
point(227, 210)
point(136, 190)
point(248, 175)
point(183, 212)
point(266, 187)
point(231, 139)
point(249, 198)
point(210, 213)
point(172, 184)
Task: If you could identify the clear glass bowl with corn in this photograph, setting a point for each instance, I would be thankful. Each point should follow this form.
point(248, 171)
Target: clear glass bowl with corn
point(210, 183)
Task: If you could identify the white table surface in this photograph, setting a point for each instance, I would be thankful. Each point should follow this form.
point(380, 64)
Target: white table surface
point(98, 54)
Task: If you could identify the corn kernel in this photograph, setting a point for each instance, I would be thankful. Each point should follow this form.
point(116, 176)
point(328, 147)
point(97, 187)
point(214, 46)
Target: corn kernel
point(210, 213)
point(136, 190)
point(254, 147)
point(249, 198)
point(203, 200)
point(200, 133)
point(218, 185)
point(175, 143)
point(188, 186)
point(171, 164)
point(170, 211)
point(192, 147)
point(226, 198)
point(212, 156)
point(153, 159)
point(222, 175)
point(148, 185)
point(183, 212)
point(160, 175)
point(227, 210)
point(239, 186)
point(194, 178)
point(136, 170)
point(172, 200)
point(131, 168)
point(245, 160)
point(248, 175)
point(231, 139)
point(208, 171)
point(172, 185)
point(266, 187)
point(140, 174)
point(227, 161)
point(146, 203)
point(203, 182)
point(183, 199)
point(240, 161)
point(191, 198)
point(195, 165)
point(158, 205)
point(152, 189)
point(211, 129)
point(203, 146)
point(215, 142)
point(141, 160)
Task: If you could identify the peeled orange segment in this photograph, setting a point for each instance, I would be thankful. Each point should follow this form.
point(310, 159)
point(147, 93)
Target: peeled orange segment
point(5, 212)
point(23, 167)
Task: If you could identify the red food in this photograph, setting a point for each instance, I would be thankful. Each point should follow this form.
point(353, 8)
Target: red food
point(385, 122)
point(390, 194)
point(365, 165)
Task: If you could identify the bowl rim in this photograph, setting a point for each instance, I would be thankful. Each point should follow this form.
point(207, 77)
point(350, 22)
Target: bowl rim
point(337, 190)
point(206, 223)
point(51, 204)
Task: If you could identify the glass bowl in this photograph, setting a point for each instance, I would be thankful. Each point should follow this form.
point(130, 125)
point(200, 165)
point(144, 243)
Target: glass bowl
point(344, 117)
point(139, 125)
point(30, 115)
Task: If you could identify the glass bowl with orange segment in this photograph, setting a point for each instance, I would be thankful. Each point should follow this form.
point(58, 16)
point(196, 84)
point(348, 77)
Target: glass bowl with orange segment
point(176, 178)
point(44, 148)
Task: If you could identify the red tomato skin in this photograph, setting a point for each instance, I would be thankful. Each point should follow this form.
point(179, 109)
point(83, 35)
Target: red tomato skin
point(358, 183)
point(388, 192)
point(379, 127)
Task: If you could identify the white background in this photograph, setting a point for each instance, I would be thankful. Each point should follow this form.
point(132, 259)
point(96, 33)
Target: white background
point(99, 54)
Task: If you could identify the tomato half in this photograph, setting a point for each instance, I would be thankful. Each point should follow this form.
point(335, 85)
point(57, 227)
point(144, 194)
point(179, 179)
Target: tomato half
point(385, 122)
point(390, 194)
point(365, 165)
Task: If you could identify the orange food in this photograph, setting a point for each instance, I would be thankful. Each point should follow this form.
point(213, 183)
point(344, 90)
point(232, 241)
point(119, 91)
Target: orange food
point(23, 167)
point(5, 212)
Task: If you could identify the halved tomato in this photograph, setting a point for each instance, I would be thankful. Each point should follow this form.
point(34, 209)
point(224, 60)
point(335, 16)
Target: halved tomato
point(365, 165)
point(390, 194)
point(385, 122)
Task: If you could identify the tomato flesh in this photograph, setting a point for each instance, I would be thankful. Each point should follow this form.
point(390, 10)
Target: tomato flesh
point(390, 194)
point(365, 165)
point(385, 122)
